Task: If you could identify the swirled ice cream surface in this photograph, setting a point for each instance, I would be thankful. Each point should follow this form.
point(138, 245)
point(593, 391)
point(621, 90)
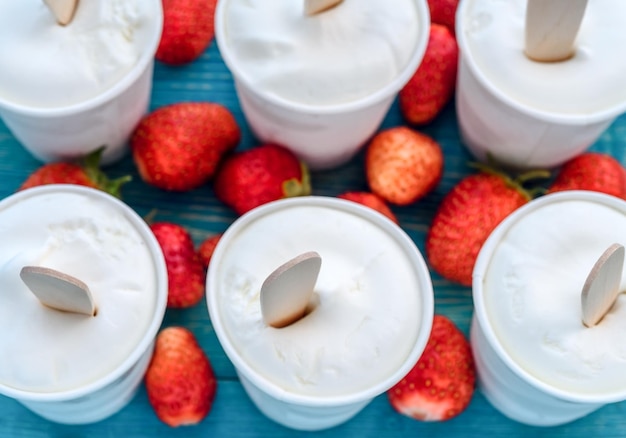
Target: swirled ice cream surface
point(532, 295)
point(46, 65)
point(334, 57)
point(591, 81)
point(367, 317)
point(46, 350)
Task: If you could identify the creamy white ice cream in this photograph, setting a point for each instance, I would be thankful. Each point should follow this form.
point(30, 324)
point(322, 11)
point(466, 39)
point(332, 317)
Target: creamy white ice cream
point(335, 57)
point(46, 65)
point(590, 82)
point(532, 296)
point(371, 300)
point(45, 350)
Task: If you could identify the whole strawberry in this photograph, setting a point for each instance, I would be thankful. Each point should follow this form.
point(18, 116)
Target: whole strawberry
point(432, 86)
point(256, 176)
point(443, 12)
point(206, 249)
point(83, 172)
point(179, 381)
point(403, 165)
point(178, 147)
point(592, 171)
point(441, 384)
point(370, 200)
point(185, 272)
point(188, 30)
point(465, 218)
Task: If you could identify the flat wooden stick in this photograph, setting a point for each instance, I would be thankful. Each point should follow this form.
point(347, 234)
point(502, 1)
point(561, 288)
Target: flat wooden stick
point(551, 28)
point(63, 10)
point(58, 290)
point(602, 285)
point(312, 7)
point(286, 292)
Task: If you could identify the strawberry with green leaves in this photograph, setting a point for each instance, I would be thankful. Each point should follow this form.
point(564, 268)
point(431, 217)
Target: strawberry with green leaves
point(441, 384)
point(188, 29)
point(179, 380)
point(466, 217)
point(84, 172)
point(592, 171)
point(403, 165)
point(178, 147)
point(432, 85)
point(185, 271)
point(259, 175)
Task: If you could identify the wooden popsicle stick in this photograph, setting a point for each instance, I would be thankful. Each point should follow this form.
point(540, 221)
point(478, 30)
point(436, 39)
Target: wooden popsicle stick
point(58, 290)
point(63, 10)
point(286, 292)
point(312, 7)
point(602, 285)
point(551, 28)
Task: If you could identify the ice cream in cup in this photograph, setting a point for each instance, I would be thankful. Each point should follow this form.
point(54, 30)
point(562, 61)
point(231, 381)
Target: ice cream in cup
point(320, 84)
point(529, 113)
point(69, 367)
point(538, 359)
point(66, 90)
point(364, 327)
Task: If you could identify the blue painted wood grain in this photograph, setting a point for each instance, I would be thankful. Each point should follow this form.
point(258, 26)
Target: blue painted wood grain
point(233, 415)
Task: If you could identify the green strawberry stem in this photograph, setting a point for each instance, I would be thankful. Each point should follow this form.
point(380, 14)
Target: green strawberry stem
point(294, 187)
point(519, 180)
point(91, 166)
point(150, 218)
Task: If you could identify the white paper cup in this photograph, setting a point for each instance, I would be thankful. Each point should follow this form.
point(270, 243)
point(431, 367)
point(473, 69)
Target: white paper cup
point(108, 119)
point(323, 136)
point(291, 386)
point(97, 405)
point(111, 391)
point(514, 388)
point(513, 129)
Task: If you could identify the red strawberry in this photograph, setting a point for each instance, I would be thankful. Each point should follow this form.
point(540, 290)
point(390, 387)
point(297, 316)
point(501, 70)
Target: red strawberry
point(403, 165)
point(178, 147)
point(84, 172)
point(187, 30)
point(466, 217)
point(443, 12)
point(179, 381)
point(441, 384)
point(206, 248)
point(431, 87)
point(185, 272)
point(259, 175)
point(592, 171)
point(371, 200)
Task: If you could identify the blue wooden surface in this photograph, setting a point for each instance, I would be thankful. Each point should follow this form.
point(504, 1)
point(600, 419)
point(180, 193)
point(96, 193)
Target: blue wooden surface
point(233, 415)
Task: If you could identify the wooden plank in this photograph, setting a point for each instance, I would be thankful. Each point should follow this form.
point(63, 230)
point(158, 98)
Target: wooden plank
point(233, 415)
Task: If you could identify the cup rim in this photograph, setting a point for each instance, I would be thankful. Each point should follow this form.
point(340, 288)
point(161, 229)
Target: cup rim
point(590, 117)
point(480, 267)
point(407, 244)
point(159, 307)
point(375, 98)
point(144, 62)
